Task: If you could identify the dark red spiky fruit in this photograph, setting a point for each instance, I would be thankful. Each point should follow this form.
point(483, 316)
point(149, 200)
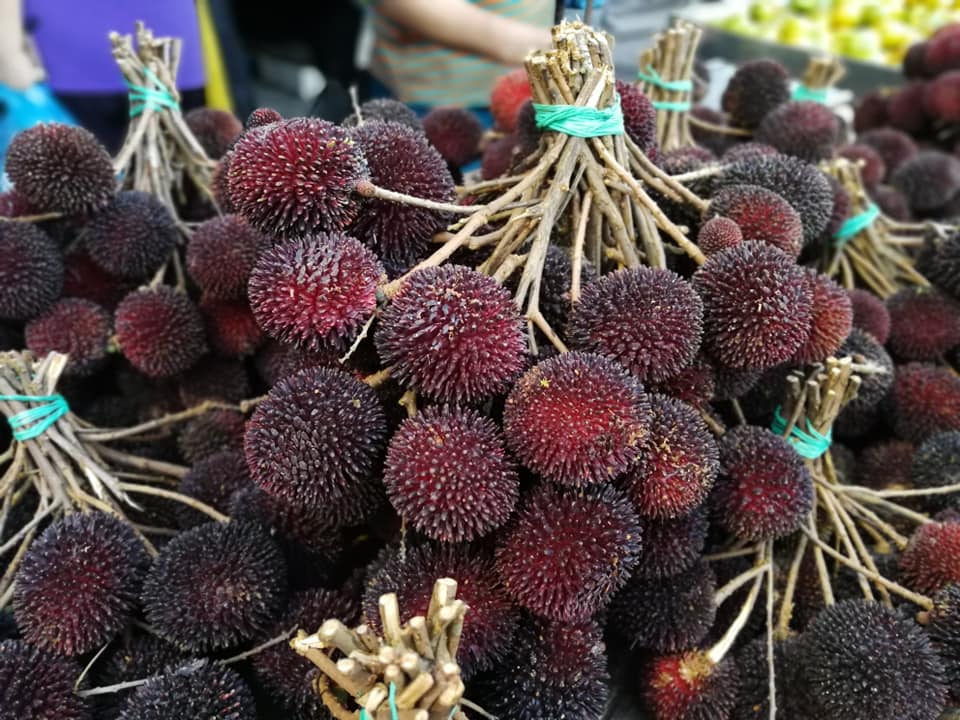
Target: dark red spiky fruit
point(555, 670)
point(287, 675)
point(448, 475)
point(262, 116)
point(315, 292)
point(858, 415)
point(943, 50)
point(288, 522)
point(77, 584)
point(196, 689)
point(160, 331)
point(577, 418)
point(60, 168)
point(639, 116)
point(925, 400)
point(453, 334)
point(831, 323)
point(231, 327)
point(455, 132)
point(492, 619)
point(924, 324)
point(892, 203)
point(743, 151)
point(13, 204)
point(719, 233)
point(894, 146)
point(31, 275)
point(316, 441)
point(210, 433)
point(569, 550)
point(132, 236)
point(130, 657)
point(842, 209)
point(678, 465)
point(658, 338)
point(215, 130)
point(932, 559)
point(754, 90)
point(870, 314)
point(220, 184)
point(885, 464)
point(936, 464)
point(215, 378)
point(717, 141)
point(509, 92)
point(762, 215)
point(764, 489)
point(671, 546)
point(930, 179)
point(213, 480)
point(758, 306)
point(870, 112)
point(498, 156)
point(939, 262)
point(862, 661)
point(940, 99)
point(905, 109)
point(295, 177)
point(690, 686)
point(78, 328)
point(527, 132)
point(402, 160)
point(83, 278)
point(873, 170)
point(275, 361)
point(799, 183)
point(943, 628)
point(384, 110)
point(805, 129)
point(38, 685)
point(221, 255)
point(695, 384)
point(915, 62)
point(215, 586)
point(753, 682)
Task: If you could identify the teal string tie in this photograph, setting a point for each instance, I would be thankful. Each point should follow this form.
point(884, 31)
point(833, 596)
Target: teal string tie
point(578, 121)
point(802, 92)
point(808, 443)
point(856, 224)
point(28, 424)
point(680, 106)
point(153, 98)
point(392, 700)
point(651, 76)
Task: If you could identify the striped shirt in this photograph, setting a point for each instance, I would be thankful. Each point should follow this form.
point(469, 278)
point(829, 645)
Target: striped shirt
point(420, 72)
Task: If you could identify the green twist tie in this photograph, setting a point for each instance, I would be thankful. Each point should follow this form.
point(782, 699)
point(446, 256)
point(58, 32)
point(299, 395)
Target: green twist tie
point(808, 443)
point(856, 224)
point(579, 121)
point(652, 77)
point(28, 424)
point(152, 98)
point(802, 92)
point(681, 106)
point(392, 700)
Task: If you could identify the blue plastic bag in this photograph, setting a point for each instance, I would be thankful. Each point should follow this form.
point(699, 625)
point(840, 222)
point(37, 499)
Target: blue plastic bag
point(22, 109)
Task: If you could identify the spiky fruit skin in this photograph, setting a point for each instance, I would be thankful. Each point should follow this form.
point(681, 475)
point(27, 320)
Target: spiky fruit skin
point(764, 490)
point(944, 630)
point(894, 146)
point(78, 328)
point(762, 215)
point(915, 61)
point(221, 255)
point(842, 209)
point(130, 658)
point(639, 116)
point(719, 233)
point(498, 156)
point(870, 112)
point(870, 314)
point(926, 400)
point(83, 278)
point(487, 632)
point(210, 433)
point(831, 323)
point(31, 275)
point(688, 686)
point(943, 50)
point(315, 292)
point(657, 339)
point(754, 90)
point(385, 110)
point(695, 384)
point(932, 559)
point(296, 177)
point(454, 132)
point(448, 475)
point(857, 416)
point(60, 168)
point(940, 97)
point(452, 334)
point(892, 203)
point(197, 689)
point(873, 170)
point(132, 236)
point(275, 361)
point(509, 92)
point(261, 116)
point(402, 160)
point(213, 481)
point(215, 586)
point(885, 464)
point(220, 184)
point(555, 670)
point(214, 378)
point(666, 615)
point(937, 464)
point(939, 261)
point(160, 331)
point(77, 584)
point(758, 306)
point(744, 151)
point(298, 450)
point(555, 287)
point(37, 684)
point(13, 204)
point(929, 179)
point(215, 130)
point(289, 522)
point(862, 661)
point(753, 682)
point(231, 327)
point(717, 142)
point(577, 418)
point(569, 550)
point(906, 111)
point(671, 546)
point(679, 463)
point(807, 130)
point(924, 324)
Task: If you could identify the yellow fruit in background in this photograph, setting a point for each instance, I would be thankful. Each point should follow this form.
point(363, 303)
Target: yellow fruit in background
point(896, 35)
point(809, 7)
point(763, 11)
point(846, 13)
point(860, 44)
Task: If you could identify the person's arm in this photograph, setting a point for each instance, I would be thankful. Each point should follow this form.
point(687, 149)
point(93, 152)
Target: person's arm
point(460, 24)
point(17, 68)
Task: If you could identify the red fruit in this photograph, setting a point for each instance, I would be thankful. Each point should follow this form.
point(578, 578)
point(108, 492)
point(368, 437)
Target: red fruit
point(873, 170)
point(905, 109)
point(212, 480)
point(498, 157)
point(892, 203)
point(832, 320)
point(198, 689)
point(754, 90)
point(942, 99)
point(213, 378)
point(932, 559)
point(885, 465)
point(215, 130)
point(761, 215)
point(924, 324)
point(83, 278)
point(694, 385)
point(219, 184)
point(870, 314)
point(719, 233)
point(31, 274)
point(639, 117)
point(454, 132)
point(939, 261)
point(275, 361)
point(943, 50)
point(807, 130)
point(231, 327)
point(39, 685)
point(930, 179)
point(914, 64)
point(78, 328)
point(870, 112)
point(894, 146)
point(160, 331)
point(671, 546)
point(210, 433)
point(509, 93)
point(384, 110)
point(926, 400)
point(690, 686)
point(744, 151)
point(262, 116)
point(13, 204)
point(221, 256)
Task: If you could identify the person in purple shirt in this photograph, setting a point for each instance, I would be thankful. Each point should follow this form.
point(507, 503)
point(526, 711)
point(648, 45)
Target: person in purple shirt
point(71, 38)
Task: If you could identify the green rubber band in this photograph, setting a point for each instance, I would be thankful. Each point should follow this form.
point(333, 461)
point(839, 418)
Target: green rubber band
point(808, 443)
point(652, 77)
point(681, 106)
point(579, 121)
point(32, 423)
point(856, 224)
point(802, 92)
point(392, 700)
point(152, 98)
